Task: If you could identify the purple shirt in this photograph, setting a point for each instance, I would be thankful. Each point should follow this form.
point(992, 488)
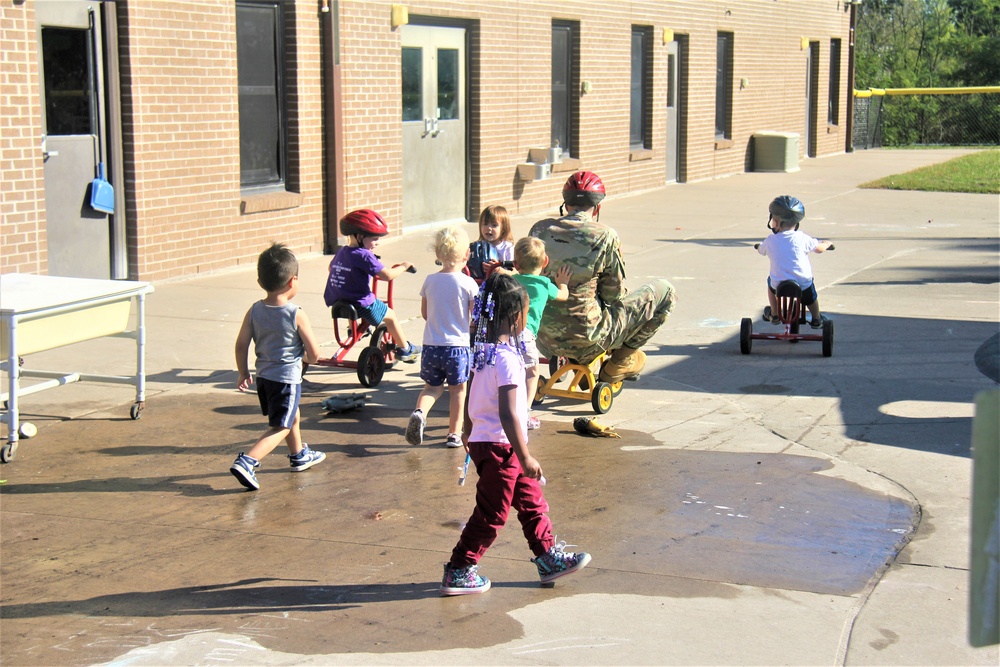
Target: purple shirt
point(351, 274)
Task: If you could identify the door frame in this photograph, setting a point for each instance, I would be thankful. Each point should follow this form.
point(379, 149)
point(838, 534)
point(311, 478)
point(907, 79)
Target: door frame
point(471, 27)
point(121, 266)
point(107, 86)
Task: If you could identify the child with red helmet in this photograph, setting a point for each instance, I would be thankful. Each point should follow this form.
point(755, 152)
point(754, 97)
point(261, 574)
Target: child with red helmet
point(351, 272)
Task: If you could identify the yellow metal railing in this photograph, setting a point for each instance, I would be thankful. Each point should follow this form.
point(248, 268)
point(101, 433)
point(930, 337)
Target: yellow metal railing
point(926, 91)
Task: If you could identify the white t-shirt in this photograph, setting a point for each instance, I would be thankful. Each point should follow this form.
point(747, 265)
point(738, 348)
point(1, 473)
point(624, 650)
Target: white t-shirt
point(484, 394)
point(449, 308)
point(505, 251)
point(789, 255)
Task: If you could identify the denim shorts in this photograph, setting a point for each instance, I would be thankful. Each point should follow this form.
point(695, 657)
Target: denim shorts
point(279, 401)
point(445, 362)
point(373, 314)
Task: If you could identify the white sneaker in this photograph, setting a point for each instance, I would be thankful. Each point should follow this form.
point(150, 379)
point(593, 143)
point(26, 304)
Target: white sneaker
point(415, 429)
point(305, 459)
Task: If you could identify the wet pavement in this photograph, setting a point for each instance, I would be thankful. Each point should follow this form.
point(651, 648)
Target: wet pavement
point(776, 508)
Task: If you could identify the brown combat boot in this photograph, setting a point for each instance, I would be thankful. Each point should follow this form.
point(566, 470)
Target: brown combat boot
point(624, 364)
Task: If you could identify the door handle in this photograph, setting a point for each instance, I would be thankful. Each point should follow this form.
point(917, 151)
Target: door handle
point(46, 153)
point(428, 125)
point(435, 130)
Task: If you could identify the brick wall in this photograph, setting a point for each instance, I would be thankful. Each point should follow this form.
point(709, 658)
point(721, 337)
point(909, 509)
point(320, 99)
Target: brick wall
point(185, 210)
point(181, 123)
point(22, 186)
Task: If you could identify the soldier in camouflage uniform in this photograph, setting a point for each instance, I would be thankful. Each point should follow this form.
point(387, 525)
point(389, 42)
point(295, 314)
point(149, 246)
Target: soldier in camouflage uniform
point(600, 314)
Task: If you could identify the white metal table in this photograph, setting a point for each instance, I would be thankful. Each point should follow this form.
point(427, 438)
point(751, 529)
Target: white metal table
point(39, 313)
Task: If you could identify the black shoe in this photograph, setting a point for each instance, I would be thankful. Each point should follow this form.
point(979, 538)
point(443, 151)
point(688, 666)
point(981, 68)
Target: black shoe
point(818, 324)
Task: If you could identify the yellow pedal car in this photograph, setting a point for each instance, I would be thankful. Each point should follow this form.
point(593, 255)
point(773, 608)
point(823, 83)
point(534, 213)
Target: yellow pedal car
point(584, 383)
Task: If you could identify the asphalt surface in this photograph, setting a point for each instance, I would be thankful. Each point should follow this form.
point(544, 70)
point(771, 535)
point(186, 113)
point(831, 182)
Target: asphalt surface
point(772, 508)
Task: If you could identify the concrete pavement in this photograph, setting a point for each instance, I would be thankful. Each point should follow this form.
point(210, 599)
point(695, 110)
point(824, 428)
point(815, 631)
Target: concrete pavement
point(776, 508)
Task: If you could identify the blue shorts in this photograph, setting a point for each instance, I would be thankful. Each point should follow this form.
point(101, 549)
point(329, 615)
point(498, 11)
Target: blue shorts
point(279, 401)
point(809, 294)
point(445, 362)
point(373, 314)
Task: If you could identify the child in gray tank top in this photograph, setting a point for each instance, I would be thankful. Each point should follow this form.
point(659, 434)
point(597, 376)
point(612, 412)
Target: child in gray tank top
point(282, 338)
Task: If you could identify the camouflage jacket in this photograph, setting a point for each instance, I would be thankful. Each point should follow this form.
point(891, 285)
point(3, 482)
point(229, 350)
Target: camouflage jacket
point(578, 326)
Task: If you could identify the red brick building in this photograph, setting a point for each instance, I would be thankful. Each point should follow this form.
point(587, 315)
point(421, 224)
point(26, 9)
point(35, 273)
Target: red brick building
point(224, 124)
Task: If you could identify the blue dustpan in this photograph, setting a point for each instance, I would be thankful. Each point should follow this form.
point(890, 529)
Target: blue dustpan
point(102, 194)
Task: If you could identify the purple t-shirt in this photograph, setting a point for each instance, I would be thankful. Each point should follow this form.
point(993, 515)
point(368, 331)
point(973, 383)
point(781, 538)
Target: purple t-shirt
point(350, 278)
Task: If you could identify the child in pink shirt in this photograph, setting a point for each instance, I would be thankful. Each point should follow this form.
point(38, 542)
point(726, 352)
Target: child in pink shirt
point(496, 437)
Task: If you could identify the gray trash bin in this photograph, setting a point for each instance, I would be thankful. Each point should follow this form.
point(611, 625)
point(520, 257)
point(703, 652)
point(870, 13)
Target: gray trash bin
point(776, 151)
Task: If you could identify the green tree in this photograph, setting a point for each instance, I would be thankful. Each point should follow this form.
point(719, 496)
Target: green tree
point(977, 46)
point(924, 44)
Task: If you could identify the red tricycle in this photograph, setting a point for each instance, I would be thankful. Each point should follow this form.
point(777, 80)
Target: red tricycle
point(380, 352)
point(793, 316)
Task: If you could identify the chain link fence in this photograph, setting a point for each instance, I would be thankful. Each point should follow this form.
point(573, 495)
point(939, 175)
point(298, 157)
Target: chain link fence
point(926, 117)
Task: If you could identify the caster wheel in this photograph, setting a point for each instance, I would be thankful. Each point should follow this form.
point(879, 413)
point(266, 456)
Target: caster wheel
point(8, 451)
point(539, 396)
point(382, 341)
point(602, 398)
point(746, 331)
point(828, 338)
point(136, 410)
point(371, 367)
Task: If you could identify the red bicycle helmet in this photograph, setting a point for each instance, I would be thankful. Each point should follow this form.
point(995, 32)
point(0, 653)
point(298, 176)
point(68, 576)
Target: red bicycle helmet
point(365, 222)
point(584, 188)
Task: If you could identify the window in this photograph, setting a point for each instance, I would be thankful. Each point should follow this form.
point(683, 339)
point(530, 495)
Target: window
point(723, 86)
point(413, 103)
point(67, 64)
point(447, 84)
point(833, 108)
point(260, 62)
point(565, 95)
point(640, 90)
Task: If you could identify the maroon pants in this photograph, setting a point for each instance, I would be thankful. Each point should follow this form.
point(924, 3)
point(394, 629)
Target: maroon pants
point(501, 486)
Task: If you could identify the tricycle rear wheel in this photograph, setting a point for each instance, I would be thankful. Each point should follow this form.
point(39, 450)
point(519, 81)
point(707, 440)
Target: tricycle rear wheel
point(827, 338)
point(746, 331)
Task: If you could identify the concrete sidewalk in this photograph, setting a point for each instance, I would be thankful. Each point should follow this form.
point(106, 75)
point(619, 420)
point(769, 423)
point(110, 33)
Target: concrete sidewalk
point(776, 508)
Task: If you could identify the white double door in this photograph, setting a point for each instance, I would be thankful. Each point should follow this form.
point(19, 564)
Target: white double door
point(435, 154)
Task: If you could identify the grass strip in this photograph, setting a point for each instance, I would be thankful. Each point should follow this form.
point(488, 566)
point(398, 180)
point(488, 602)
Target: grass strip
point(977, 173)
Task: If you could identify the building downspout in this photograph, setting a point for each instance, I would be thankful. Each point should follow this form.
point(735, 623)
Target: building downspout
point(333, 126)
point(849, 139)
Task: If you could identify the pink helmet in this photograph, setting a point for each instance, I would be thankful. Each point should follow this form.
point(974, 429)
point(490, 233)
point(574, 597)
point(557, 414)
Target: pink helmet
point(364, 221)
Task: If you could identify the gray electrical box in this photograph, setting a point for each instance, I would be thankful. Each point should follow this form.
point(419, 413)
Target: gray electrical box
point(776, 151)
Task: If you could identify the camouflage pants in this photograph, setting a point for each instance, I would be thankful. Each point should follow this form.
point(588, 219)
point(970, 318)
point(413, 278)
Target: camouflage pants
point(630, 322)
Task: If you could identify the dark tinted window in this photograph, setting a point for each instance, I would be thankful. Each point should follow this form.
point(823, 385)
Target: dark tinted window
point(260, 62)
point(723, 84)
point(66, 59)
point(447, 102)
point(637, 117)
point(562, 93)
point(412, 76)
